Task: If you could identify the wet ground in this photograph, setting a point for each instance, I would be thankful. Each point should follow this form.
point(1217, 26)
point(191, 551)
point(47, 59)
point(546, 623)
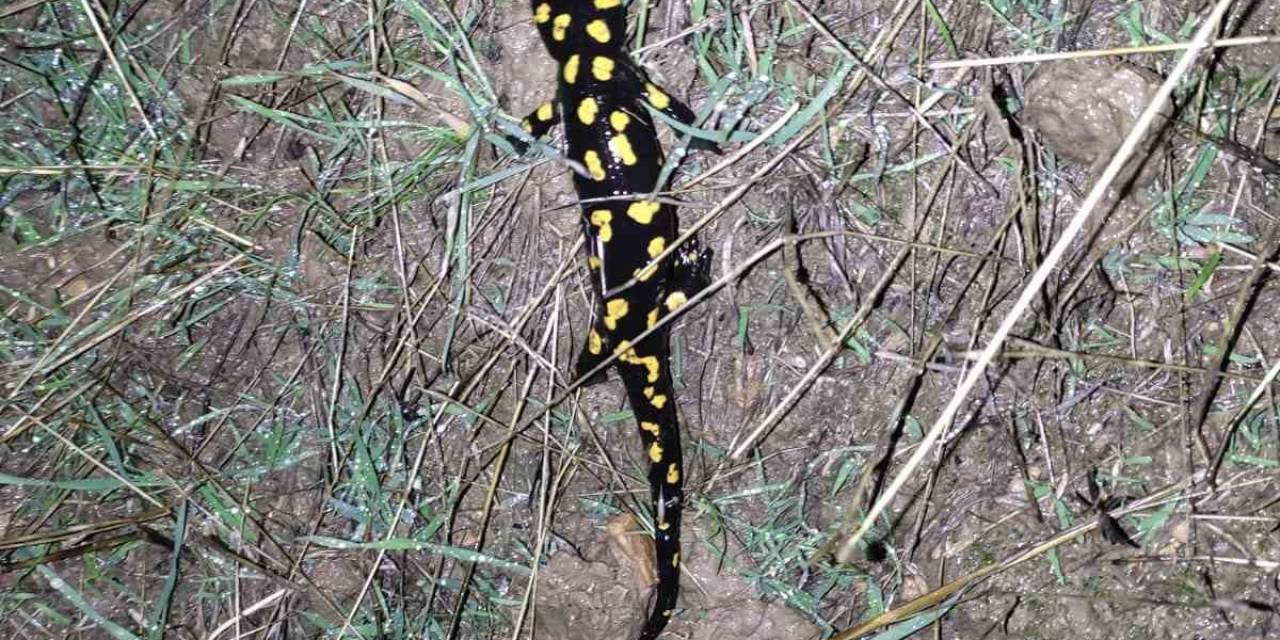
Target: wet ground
point(388, 326)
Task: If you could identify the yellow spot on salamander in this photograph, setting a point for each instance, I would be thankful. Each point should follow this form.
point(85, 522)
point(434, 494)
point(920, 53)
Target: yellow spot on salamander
point(644, 274)
point(619, 121)
point(542, 14)
point(642, 211)
point(607, 4)
point(648, 392)
point(659, 401)
point(615, 310)
point(675, 299)
point(599, 30)
point(621, 148)
point(666, 613)
point(587, 110)
point(526, 125)
point(545, 111)
point(624, 352)
point(603, 218)
point(652, 320)
point(675, 560)
point(673, 474)
point(602, 68)
point(651, 427)
point(571, 69)
point(655, 452)
point(559, 25)
point(651, 364)
point(592, 160)
point(593, 262)
point(628, 355)
point(663, 526)
point(656, 97)
point(595, 344)
point(656, 246)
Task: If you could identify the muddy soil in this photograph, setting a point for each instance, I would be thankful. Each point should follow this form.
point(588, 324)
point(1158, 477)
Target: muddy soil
point(1102, 376)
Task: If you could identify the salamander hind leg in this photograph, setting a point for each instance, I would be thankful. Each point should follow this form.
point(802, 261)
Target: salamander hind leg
point(690, 274)
point(690, 269)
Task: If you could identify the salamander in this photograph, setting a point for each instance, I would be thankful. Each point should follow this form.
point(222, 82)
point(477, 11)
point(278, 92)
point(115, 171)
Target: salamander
point(603, 100)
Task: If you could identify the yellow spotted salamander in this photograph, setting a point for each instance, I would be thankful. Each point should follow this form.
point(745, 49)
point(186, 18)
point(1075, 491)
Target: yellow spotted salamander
point(603, 99)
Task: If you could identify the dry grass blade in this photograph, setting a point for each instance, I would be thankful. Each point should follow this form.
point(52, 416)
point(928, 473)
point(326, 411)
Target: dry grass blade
point(279, 265)
point(244, 614)
point(20, 6)
point(741, 447)
point(1031, 58)
point(1263, 386)
point(115, 65)
point(80, 530)
point(164, 301)
point(1032, 289)
point(937, 596)
point(1225, 345)
point(746, 149)
point(916, 113)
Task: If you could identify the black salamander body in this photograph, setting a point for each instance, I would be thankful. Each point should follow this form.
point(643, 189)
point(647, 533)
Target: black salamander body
point(601, 99)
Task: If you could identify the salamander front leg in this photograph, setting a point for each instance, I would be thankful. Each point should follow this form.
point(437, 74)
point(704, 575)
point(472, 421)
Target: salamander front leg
point(678, 111)
point(595, 351)
point(536, 124)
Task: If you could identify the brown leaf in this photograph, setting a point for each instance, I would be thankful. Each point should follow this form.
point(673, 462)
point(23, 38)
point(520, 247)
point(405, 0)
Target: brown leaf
point(632, 548)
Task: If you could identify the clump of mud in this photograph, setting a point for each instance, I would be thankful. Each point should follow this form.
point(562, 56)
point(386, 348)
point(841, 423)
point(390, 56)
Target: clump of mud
point(586, 598)
point(1083, 109)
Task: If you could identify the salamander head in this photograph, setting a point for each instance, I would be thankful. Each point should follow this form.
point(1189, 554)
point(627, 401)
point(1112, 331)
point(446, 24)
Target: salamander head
point(580, 26)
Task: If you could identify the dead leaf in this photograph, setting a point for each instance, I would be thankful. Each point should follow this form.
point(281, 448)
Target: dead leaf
point(632, 548)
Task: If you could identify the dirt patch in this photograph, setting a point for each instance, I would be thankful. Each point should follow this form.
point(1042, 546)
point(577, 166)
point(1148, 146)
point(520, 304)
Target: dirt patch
point(585, 599)
point(399, 321)
point(722, 605)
